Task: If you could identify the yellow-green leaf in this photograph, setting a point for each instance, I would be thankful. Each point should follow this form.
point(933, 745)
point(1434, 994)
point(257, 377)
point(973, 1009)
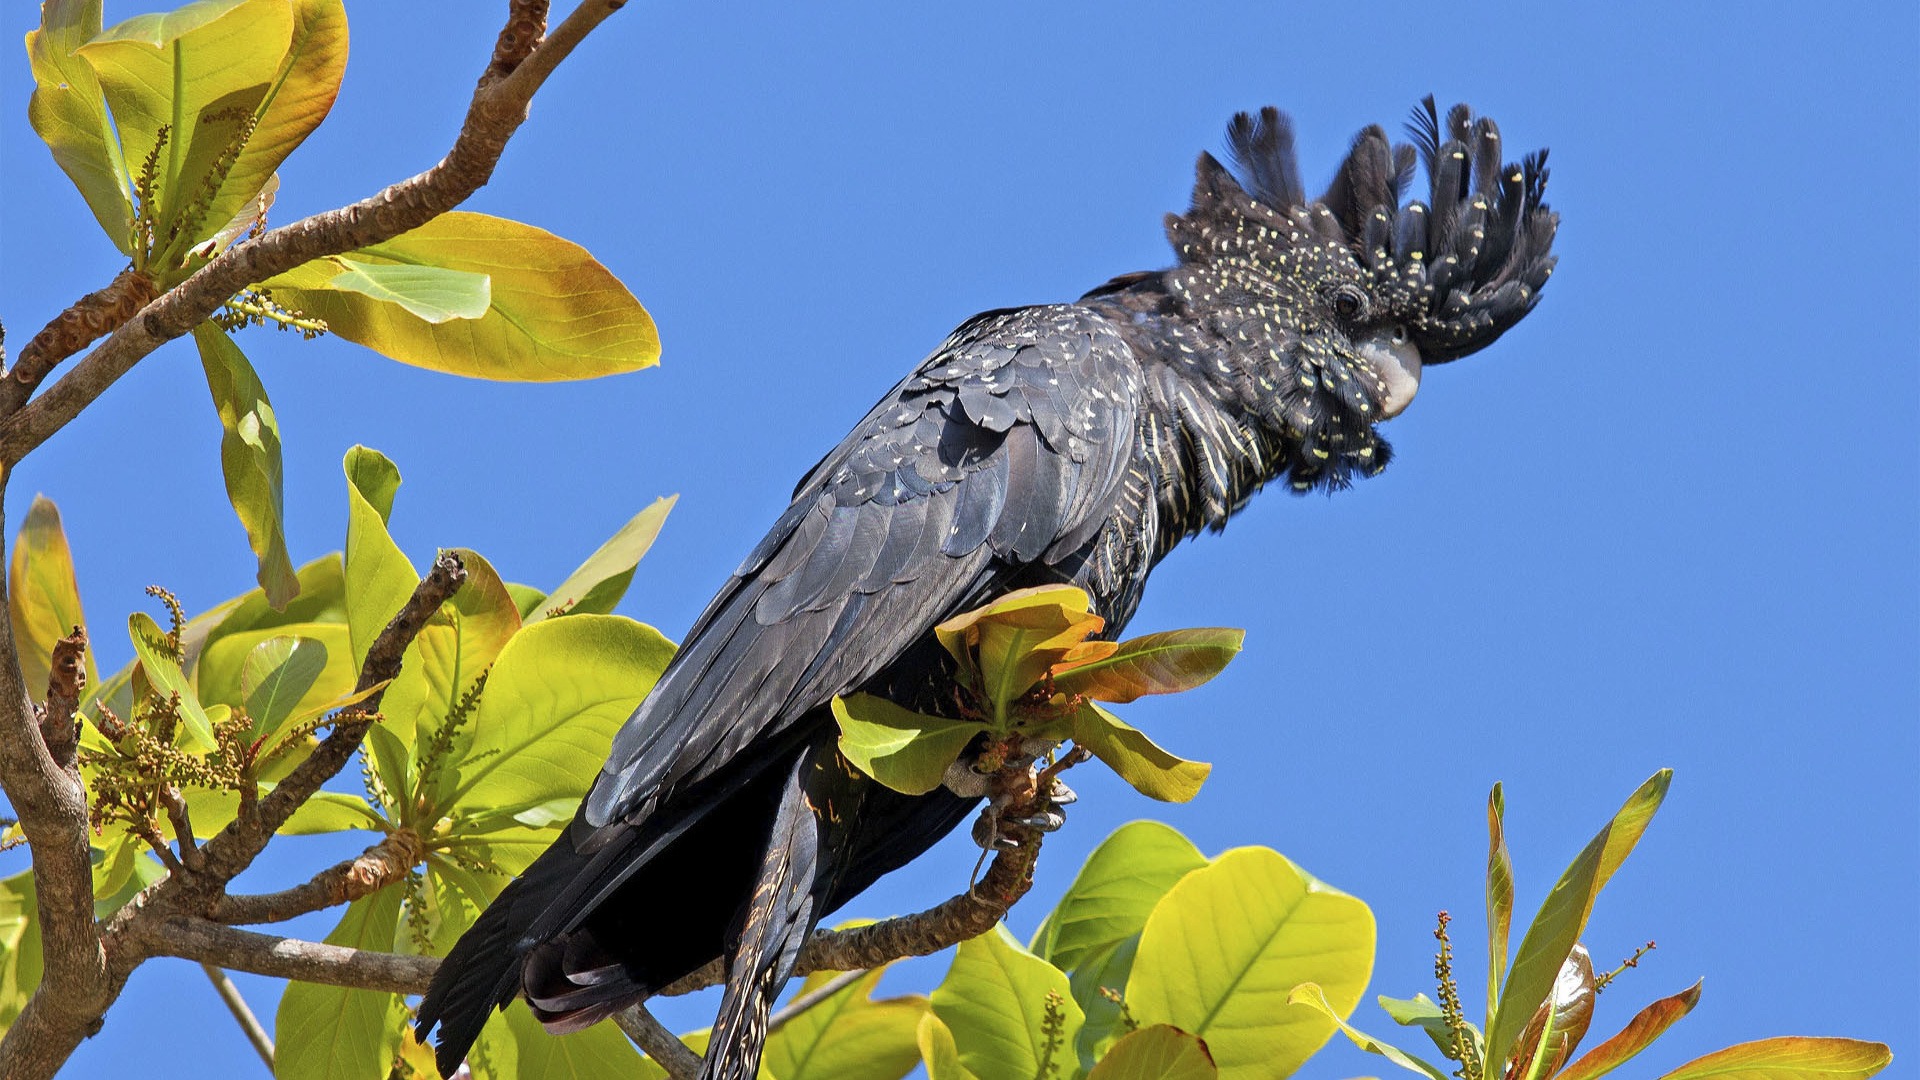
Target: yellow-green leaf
point(1126, 750)
point(20, 957)
point(332, 1032)
point(994, 1000)
point(1563, 915)
point(219, 676)
point(44, 601)
point(556, 695)
point(379, 579)
point(1158, 1052)
point(69, 113)
point(598, 1053)
point(1226, 945)
point(250, 458)
point(1646, 1026)
point(299, 97)
point(276, 676)
point(1790, 1058)
point(164, 673)
point(849, 1036)
point(938, 1052)
point(200, 72)
point(599, 583)
point(554, 313)
point(1164, 663)
point(1017, 638)
point(1115, 891)
point(905, 750)
point(1312, 996)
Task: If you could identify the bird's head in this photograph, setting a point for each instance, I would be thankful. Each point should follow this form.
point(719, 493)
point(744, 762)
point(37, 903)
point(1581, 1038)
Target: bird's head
point(1347, 297)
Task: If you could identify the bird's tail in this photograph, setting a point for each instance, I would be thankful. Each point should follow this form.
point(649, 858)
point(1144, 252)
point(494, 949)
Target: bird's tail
point(776, 921)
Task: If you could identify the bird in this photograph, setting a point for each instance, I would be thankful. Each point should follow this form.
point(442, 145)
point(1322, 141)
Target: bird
point(1064, 443)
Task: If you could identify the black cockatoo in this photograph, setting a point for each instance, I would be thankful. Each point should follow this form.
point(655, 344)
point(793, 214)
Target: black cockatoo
point(1074, 443)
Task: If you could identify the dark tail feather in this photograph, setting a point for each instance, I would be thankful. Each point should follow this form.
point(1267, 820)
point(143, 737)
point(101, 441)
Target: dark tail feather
point(483, 970)
point(776, 923)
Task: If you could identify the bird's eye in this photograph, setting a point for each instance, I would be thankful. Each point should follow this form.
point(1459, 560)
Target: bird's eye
point(1349, 302)
point(1399, 335)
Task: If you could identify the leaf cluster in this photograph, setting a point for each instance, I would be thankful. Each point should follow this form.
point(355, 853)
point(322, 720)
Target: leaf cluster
point(506, 703)
point(1027, 668)
point(173, 127)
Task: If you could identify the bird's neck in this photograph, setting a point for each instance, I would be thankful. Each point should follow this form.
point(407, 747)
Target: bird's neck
point(1209, 440)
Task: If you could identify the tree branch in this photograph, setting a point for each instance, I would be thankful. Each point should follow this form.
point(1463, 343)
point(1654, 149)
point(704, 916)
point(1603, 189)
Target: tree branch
point(242, 1013)
point(230, 947)
point(342, 883)
point(660, 1044)
point(91, 317)
point(499, 106)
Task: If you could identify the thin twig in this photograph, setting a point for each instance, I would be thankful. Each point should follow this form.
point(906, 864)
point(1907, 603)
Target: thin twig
point(663, 1046)
point(230, 947)
point(808, 1000)
point(249, 1023)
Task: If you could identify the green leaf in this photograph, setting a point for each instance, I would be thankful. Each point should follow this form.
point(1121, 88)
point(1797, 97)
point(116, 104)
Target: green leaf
point(275, 676)
point(849, 1036)
point(1647, 1025)
point(432, 294)
point(44, 604)
point(554, 312)
point(602, 580)
point(1164, 663)
point(1159, 1052)
point(1563, 915)
point(598, 1053)
point(69, 114)
point(220, 676)
point(1103, 970)
point(250, 457)
point(1126, 750)
point(905, 750)
point(527, 600)
point(994, 1001)
point(20, 957)
point(332, 1032)
point(164, 673)
point(452, 650)
point(1115, 891)
point(200, 72)
point(379, 579)
point(1310, 995)
point(1499, 896)
point(1790, 1058)
point(132, 871)
point(1224, 946)
point(330, 811)
point(1421, 1012)
point(938, 1052)
point(296, 101)
point(558, 692)
point(322, 599)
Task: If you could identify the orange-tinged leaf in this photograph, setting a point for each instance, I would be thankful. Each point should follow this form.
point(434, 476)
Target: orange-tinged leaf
point(69, 114)
point(1649, 1024)
point(1559, 1024)
point(1499, 896)
point(1017, 638)
point(1791, 1057)
point(554, 313)
point(1163, 663)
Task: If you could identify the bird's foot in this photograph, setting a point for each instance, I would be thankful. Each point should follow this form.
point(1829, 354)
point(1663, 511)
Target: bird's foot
point(1025, 799)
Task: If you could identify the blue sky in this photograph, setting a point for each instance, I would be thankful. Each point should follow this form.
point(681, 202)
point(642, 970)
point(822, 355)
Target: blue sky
point(1670, 520)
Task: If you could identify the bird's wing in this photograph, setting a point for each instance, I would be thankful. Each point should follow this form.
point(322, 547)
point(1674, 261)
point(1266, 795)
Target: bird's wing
point(1003, 448)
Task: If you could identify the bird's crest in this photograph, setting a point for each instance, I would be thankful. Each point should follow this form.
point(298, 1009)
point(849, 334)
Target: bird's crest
point(1461, 266)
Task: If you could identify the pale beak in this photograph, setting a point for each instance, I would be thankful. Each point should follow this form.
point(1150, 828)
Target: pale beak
point(1396, 359)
